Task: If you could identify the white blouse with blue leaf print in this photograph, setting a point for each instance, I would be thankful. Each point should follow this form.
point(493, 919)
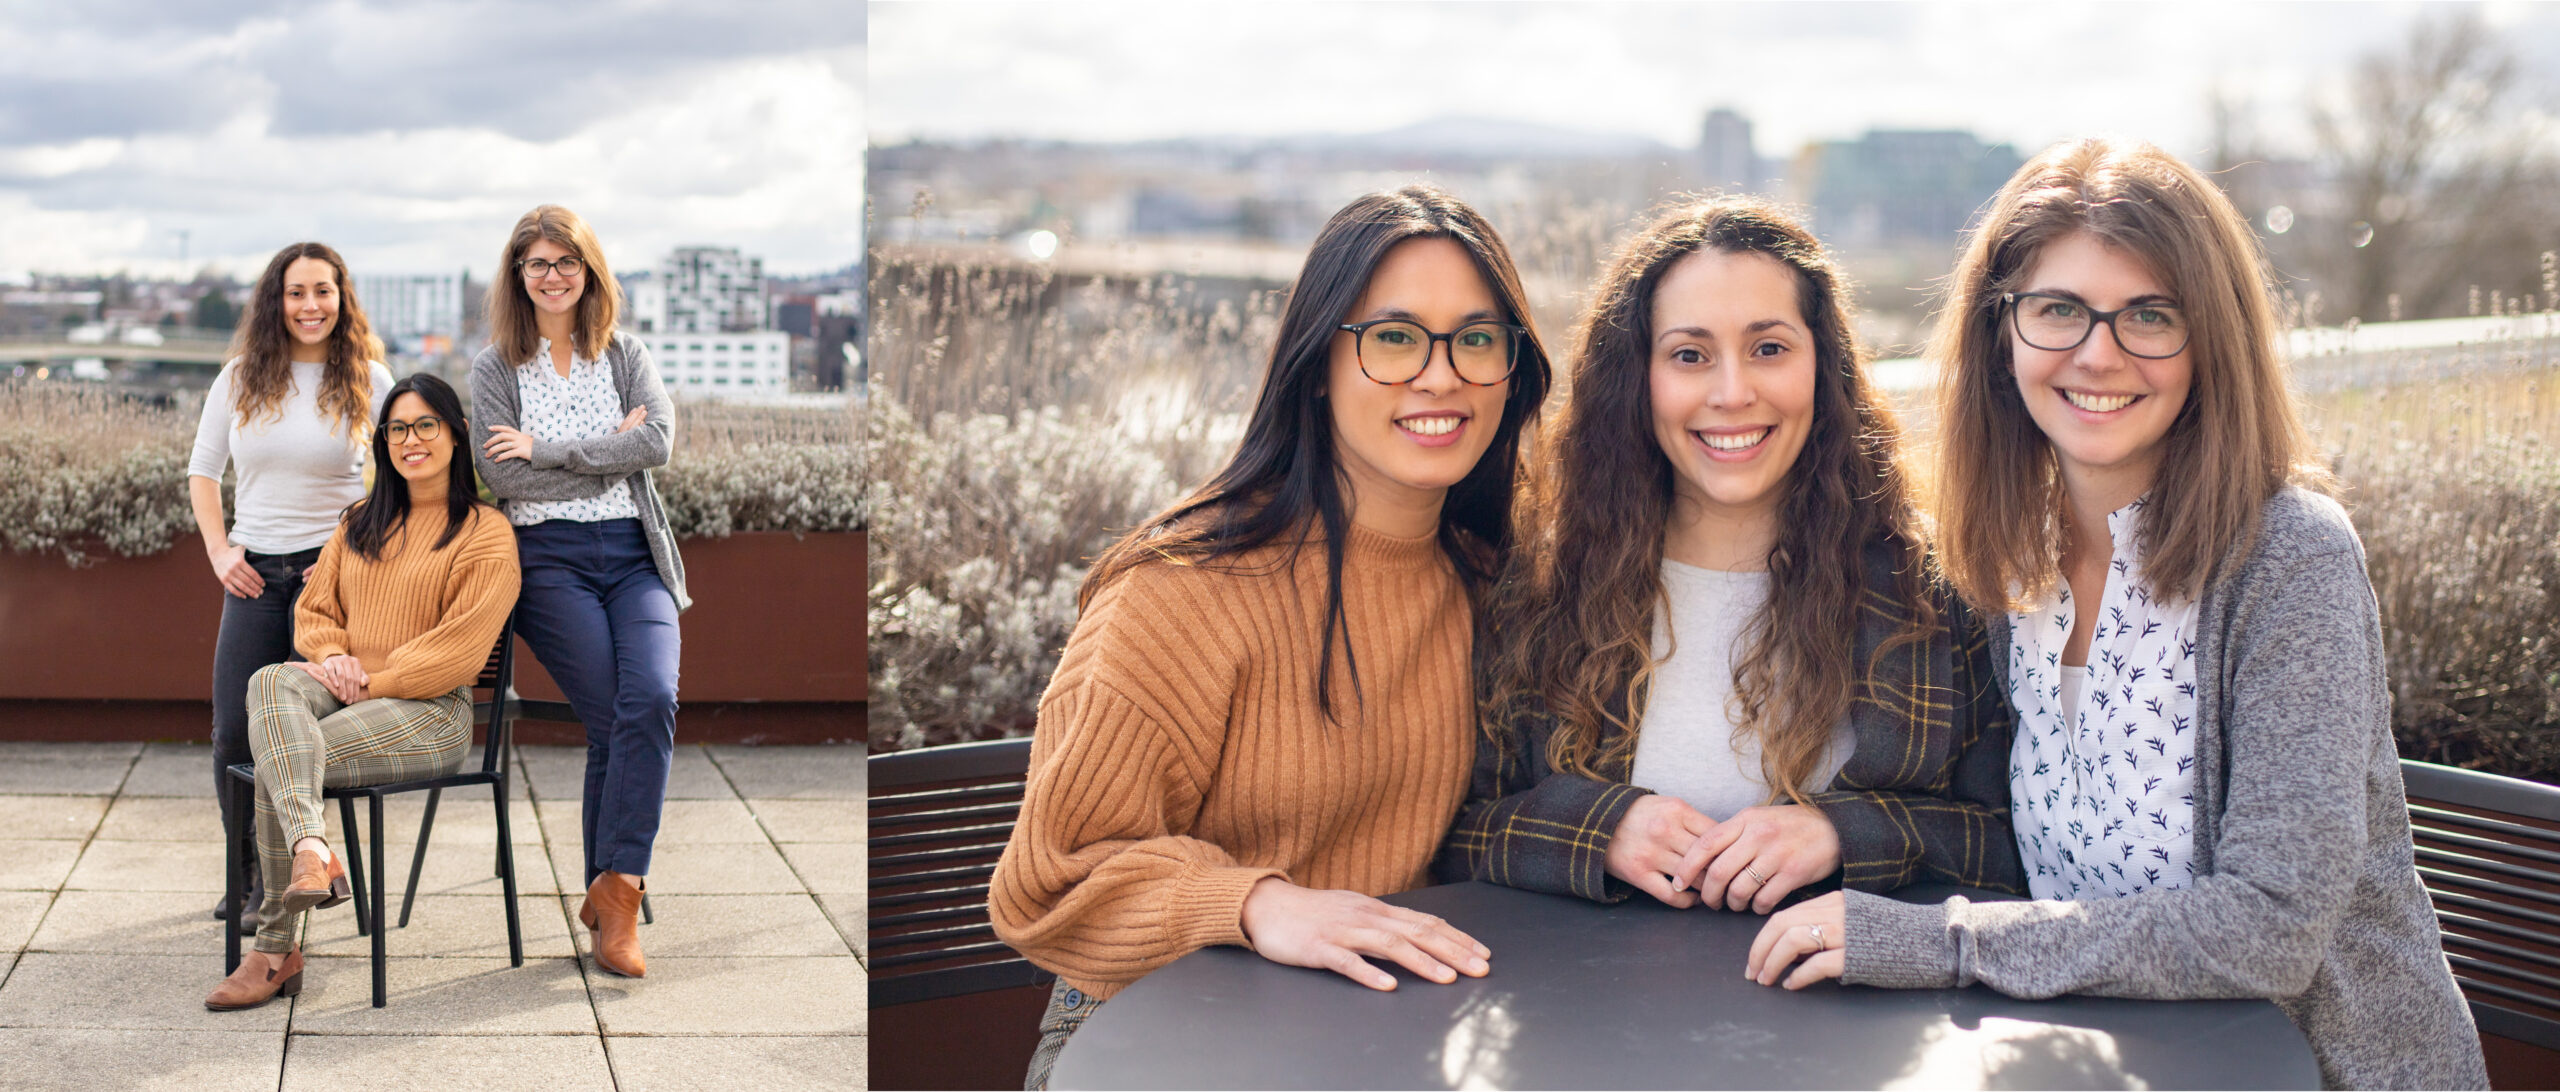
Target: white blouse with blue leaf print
point(2103, 797)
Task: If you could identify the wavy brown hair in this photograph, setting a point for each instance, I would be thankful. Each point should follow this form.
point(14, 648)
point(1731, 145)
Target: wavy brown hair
point(1576, 625)
point(511, 323)
point(1285, 484)
point(2238, 439)
point(264, 344)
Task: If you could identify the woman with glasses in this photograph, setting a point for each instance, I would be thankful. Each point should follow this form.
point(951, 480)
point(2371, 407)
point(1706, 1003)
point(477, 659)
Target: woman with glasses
point(1724, 675)
point(394, 624)
point(2206, 794)
point(288, 415)
point(571, 417)
point(1262, 720)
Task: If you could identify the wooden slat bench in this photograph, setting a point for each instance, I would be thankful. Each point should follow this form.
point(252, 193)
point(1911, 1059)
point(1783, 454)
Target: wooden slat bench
point(951, 1006)
point(2489, 855)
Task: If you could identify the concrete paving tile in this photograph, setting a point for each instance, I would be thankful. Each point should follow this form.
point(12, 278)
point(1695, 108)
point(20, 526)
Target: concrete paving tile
point(830, 868)
point(810, 995)
point(31, 817)
point(36, 1059)
point(444, 997)
point(164, 819)
point(41, 866)
point(643, 1064)
point(173, 769)
point(810, 820)
point(148, 866)
point(822, 772)
point(559, 773)
point(71, 769)
point(67, 990)
point(452, 925)
point(730, 925)
point(851, 914)
point(436, 1063)
point(462, 815)
point(465, 866)
point(131, 922)
point(679, 822)
point(19, 913)
point(732, 869)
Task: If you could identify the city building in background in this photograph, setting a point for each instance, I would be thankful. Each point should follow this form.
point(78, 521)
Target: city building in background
point(416, 314)
point(712, 289)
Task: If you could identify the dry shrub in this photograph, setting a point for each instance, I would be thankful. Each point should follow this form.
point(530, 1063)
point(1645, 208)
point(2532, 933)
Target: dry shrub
point(760, 468)
point(82, 470)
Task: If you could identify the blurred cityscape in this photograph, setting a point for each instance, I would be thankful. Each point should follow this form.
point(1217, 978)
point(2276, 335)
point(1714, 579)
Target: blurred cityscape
point(717, 326)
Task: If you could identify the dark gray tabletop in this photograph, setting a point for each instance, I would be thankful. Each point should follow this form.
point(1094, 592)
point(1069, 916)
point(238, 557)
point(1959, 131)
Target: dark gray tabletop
point(1643, 996)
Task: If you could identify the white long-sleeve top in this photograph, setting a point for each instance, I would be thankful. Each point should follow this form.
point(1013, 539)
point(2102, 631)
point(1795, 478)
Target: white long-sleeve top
point(296, 472)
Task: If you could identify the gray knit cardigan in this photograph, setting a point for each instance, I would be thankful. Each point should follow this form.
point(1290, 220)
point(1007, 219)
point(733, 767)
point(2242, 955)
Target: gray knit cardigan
point(577, 469)
point(2306, 890)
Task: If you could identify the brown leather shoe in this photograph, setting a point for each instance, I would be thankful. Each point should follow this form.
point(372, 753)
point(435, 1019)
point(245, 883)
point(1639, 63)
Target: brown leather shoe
point(248, 987)
point(613, 911)
point(316, 884)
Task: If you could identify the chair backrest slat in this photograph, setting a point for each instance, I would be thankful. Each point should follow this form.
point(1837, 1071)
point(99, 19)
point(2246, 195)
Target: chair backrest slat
point(938, 819)
point(2488, 851)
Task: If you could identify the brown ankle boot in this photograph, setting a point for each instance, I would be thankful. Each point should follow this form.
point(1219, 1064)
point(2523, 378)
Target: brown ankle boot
point(613, 911)
point(249, 987)
point(315, 883)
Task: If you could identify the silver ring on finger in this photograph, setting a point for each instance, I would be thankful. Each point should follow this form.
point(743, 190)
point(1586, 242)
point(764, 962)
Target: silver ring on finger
point(1815, 931)
point(1757, 880)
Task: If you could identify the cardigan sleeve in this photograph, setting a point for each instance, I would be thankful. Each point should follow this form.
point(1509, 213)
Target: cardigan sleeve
point(1102, 881)
point(621, 454)
point(480, 588)
point(1527, 826)
point(495, 401)
point(2284, 859)
point(1941, 811)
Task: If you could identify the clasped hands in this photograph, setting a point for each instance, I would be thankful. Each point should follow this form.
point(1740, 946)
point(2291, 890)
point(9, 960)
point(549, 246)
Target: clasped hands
point(1672, 852)
point(344, 675)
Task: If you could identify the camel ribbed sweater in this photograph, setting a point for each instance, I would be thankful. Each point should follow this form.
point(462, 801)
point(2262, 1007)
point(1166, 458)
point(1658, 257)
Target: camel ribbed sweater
point(420, 620)
point(1180, 755)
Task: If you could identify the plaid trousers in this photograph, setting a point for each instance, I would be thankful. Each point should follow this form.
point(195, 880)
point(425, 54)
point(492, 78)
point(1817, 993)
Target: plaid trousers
point(1068, 1009)
point(304, 740)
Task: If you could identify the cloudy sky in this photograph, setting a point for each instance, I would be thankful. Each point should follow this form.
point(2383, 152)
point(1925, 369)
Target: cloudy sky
point(2024, 73)
point(410, 134)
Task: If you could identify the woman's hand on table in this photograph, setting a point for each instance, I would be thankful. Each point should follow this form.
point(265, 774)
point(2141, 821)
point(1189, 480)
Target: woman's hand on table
point(1646, 850)
point(1332, 930)
point(1755, 859)
point(1815, 930)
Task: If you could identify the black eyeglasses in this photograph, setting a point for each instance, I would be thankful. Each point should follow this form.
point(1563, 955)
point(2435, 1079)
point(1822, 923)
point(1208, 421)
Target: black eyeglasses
point(425, 428)
point(1392, 351)
point(2152, 331)
point(536, 268)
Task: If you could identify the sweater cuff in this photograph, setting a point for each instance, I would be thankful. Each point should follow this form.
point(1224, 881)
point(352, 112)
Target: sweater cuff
point(386, 683)
point(1208, 905)
point(1900, 945)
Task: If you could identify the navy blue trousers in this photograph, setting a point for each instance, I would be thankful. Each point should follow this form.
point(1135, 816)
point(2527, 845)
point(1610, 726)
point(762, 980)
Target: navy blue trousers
point(595, 613)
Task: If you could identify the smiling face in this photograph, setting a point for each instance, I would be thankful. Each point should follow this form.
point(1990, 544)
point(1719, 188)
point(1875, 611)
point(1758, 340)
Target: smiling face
point(2104, 410)
point(1403, 445)
point(310, 301)
point(1733, 384)
point(420, 460)
point(552, 293)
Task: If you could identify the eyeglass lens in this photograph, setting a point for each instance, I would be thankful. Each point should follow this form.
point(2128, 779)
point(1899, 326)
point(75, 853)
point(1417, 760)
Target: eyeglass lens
point(424, 427)
point(2053, 324)
point(538, 268)
point(1397, 352)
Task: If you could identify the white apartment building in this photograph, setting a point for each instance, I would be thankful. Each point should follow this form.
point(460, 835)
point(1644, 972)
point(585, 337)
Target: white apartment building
point(713, 288)
point(704, 315)
point(407, 308)
point(716, 365)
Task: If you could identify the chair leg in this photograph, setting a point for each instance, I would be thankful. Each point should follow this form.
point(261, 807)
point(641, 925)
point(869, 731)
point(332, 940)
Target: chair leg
point(507, 872)
point(418, 860)
point(235, 877)
point(355, 864)
point(645, 915)
point(379, 963)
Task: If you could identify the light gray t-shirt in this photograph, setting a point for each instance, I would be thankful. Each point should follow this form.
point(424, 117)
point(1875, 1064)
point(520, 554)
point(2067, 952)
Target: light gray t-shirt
point(1686, 745)
point(296, 473)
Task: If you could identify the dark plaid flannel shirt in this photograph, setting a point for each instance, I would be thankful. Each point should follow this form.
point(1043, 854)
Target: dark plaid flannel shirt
point(1924, 797)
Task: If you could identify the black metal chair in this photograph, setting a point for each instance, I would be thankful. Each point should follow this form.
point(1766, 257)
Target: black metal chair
point(496, 768)
point(2489, 856)
point(960, 1008)
point(526, 709)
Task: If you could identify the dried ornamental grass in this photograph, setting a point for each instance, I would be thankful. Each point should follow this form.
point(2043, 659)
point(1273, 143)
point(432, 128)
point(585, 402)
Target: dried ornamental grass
point(82, 471)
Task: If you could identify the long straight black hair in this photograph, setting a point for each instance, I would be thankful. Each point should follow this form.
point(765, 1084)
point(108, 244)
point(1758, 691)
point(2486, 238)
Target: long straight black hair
point(1285, 477)
point(386, 506)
